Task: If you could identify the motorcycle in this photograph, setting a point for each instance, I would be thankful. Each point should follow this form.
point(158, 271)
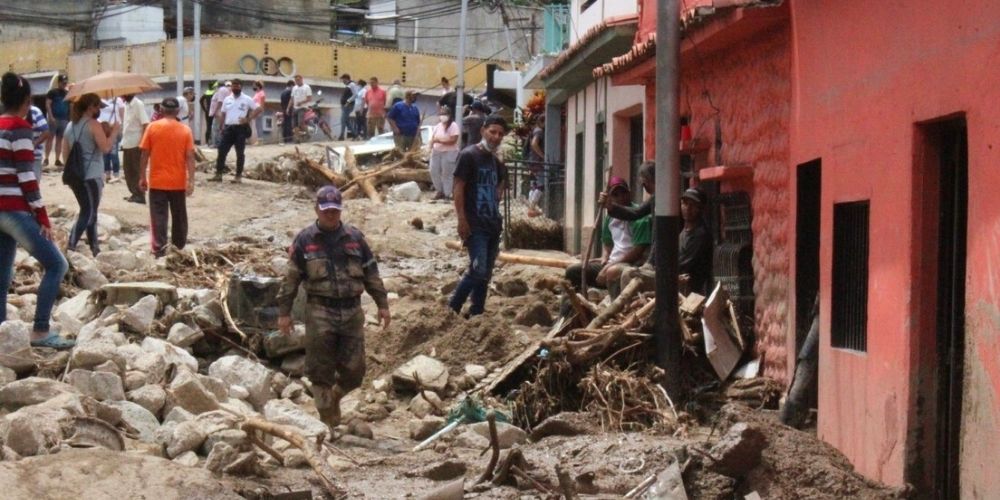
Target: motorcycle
point(313, 122)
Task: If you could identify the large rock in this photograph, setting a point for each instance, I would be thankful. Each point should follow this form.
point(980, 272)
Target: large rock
point(188, 392)
point(563, 424)
point(151, 397)
point(738, 451)
point(140, 316)
point(432, 373)
point(34, 430)
point(152, 365)
point(101, 386)
point(427, 403)
point(254, 377)
point(208, 315)
point(187, 436)
point(75, 312)
point(86, 272)
point(182, 335)
point(108, 224)
point(32, 391)
point(127, 294)
point(476, 372)
point(122, 260)
point(15, 346)
point(233, 437)
point(139, 418)
point(104, 474)
point(283, 411)
point(507, 435)
point(7, 376)
point(277, 345)
point(172, 354)
point(98, 332)
point(423, 428)
point(220, 456)
point(93, 354)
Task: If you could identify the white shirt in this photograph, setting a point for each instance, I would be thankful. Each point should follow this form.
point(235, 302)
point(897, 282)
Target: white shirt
point(299, 94)
point(182, 112)
point(359, 101)
point(236, 108)
point(621, 234)
point(220, 95)
point(111, 113)
point(135, 118)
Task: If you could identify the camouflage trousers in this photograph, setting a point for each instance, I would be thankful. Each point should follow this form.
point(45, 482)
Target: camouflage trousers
point(335, 356)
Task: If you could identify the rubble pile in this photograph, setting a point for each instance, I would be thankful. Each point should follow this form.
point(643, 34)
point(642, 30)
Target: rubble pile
point(532, 232)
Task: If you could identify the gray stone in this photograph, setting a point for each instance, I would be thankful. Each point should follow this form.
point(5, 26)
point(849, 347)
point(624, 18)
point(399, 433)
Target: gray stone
point(139, 418)
point(255, 377)
point(219, 388)
point(238, 392)
point(187, 459)
point(476, 372)
point(283, 411)
point(188, 392)
point(101, 386)
point(178, 415)
point(507, 435)
point(32, 391)
point(294, 365)
point(187, 436)
point(127, 294)
point(7, 376)
point(108, 367)
point(208, 316)
point(360, 428)
point(216, 421)
point(34, 430)
point(277, 345)
point(432, 373)
point(245, 464)
point(381, 384)
point(98, 332)
point(427, 403)
point(470, 439)
point(134, 380)
point(152, 365)
point(139, 317)
point(279, 265)
point(182, 335)
point(85, 271)
point(233, 437)
point(92, 354)
point(563, 424)
point(150, 397)
point(15, 346)
point(292, 391)
point(172, 354)
point(423, 428)
point(108, 224)
point(535, 314)
point(295, 459)
point(738, 451)
point(72, 314)
point(220, 456)
point(239, 407)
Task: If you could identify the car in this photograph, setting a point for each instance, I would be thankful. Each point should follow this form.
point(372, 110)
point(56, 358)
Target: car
point(368, 150)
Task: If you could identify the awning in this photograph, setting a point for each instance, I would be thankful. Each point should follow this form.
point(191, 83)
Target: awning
point(573, 69)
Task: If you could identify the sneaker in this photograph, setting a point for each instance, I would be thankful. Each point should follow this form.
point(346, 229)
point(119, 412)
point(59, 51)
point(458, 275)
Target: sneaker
point(216, 178)
point(237, 180)
point(59, 163)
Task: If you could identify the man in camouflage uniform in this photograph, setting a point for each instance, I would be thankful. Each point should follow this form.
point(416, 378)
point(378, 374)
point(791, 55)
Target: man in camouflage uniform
point(335, 264)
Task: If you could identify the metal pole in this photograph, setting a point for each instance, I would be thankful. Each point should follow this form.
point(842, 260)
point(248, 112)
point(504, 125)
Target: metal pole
point(416, 33)
point(460, 84)
point(667, 222)
point(196, 129)
point(180, 47)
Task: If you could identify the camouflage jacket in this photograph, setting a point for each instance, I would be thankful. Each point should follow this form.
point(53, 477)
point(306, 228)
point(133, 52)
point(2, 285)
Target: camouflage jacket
point(336, 264)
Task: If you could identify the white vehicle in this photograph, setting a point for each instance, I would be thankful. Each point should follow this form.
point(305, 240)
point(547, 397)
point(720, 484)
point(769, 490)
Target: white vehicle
point(381, 143)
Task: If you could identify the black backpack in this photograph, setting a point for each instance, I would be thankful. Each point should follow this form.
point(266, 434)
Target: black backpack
point(75, 169)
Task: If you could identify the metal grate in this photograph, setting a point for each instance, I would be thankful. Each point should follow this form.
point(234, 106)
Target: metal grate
point(732, 259)
point(849, 321)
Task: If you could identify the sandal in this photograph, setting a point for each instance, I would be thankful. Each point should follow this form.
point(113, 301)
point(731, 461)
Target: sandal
point(54, 341)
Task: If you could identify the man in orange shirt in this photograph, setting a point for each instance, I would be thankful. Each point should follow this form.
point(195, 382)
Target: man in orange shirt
point(375, 98)
point(167, 166)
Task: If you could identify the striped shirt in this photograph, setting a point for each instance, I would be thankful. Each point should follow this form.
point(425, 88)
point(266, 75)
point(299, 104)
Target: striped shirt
point(38, 127)
point(18, 186)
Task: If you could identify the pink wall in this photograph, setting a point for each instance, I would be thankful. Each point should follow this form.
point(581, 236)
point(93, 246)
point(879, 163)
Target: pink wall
point(866, 74)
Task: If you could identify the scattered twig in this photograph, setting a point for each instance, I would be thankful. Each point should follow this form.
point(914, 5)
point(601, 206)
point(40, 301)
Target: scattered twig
point(223, 287)
point(494, 445)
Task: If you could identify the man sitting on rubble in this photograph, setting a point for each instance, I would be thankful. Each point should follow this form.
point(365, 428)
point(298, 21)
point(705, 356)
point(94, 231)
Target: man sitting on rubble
point(335, 264)
point(625, 244)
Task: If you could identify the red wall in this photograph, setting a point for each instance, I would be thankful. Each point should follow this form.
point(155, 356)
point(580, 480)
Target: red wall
point(866, 74)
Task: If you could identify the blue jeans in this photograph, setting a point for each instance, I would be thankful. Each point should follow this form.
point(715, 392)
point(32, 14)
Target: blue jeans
point(112, 164)
point(347, 125)
point(20, 228)
point(88, 195)
point(483, 249)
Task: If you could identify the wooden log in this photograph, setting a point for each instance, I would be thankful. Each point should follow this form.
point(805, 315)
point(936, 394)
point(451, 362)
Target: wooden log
point(330, 175)
point(636, 318)
point(401, 175)
point(585, 311)
point(628, 293)
point(351, 169)
point(520, 259)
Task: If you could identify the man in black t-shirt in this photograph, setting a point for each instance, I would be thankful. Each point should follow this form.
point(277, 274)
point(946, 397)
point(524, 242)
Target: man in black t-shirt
point(286, 121)
point(480, 178)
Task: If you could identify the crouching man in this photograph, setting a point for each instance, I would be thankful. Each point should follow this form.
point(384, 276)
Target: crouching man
point(335, 264)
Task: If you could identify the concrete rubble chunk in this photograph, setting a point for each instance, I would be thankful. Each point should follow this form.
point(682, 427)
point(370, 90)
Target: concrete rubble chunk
point(7, 376)
point(134, 380)
point(101, 386)
point(15, 346)
point(218, 420)
point(255, 377)
point(738, 451)
point(96, 332)
point(187, 391)
point(208, 315)
point(187, 436)
point(108, 224)
point(219, 388)
point(140, 316)
point(432, 373)
point(178, 415)
point(127, 294)
point(292, 391)
point(423, 428)
point(34, 430)
point(220, 456)
point(283, 411)
point(76, 312)
point(150, 397)
point(427, 403)
point(470, 439)
point(187, 459)
point(277, 345)
point(85, 271)
point(93, 354)
point(152, 365)
point(139, 418)
point(233, 437)
point(32, 391)
point(476, 372)
point(182, 335)
point(407, 191)
point(508, 435)
point(172, 354)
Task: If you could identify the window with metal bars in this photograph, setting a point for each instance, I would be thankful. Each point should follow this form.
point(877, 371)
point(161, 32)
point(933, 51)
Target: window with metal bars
point(849, 318)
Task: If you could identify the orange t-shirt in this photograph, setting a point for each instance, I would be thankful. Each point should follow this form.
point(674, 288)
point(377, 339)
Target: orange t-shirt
point(168, 142)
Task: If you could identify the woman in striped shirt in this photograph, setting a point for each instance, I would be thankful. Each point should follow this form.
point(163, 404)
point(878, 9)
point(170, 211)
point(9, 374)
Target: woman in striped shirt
point(23, 219)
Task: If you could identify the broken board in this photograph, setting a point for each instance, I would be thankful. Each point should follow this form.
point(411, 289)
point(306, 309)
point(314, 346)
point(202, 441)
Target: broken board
point(723, 353)
point(506, 379)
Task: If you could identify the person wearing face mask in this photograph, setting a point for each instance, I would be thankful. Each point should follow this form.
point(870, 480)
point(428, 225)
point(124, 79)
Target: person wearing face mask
point(444, 153)
point(480, 180)
point(404, 119)
point(87, 131)
point(236, 113)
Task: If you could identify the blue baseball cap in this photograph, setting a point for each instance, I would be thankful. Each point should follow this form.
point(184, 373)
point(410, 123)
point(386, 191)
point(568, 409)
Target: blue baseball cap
point(329, 198)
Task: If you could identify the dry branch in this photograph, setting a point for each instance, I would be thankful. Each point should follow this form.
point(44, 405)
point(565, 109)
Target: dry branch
point(494, 446)
point(251, 424)
point(618, 305)
point(351, 169)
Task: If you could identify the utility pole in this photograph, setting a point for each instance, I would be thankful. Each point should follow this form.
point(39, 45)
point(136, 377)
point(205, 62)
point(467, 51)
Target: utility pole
point(460, 84)
point(180, 47)
point(667, 223)
point(196, 124)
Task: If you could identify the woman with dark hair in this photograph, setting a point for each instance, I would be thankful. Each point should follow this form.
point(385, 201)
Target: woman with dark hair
point(444, 153)
point(85, 130)
point(23, 219)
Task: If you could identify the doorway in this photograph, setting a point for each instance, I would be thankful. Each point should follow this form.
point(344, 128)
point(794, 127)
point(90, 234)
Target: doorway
point(807, 216)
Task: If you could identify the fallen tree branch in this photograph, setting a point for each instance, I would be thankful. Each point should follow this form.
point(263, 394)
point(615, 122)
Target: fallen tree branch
point(258, 442)
point(251, 424)
point(494, 445)
point(223, 287)
point(628, 293)
point(351, 169)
